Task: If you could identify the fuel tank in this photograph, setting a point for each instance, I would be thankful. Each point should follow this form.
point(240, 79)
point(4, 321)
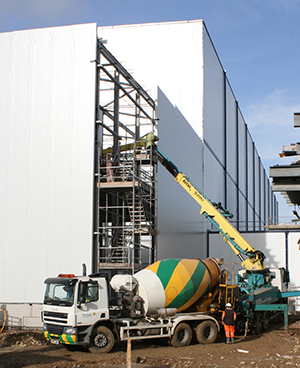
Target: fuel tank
point(176, 283)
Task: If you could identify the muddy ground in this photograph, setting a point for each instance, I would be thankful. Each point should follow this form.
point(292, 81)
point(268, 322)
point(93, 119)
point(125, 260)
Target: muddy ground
point(271, 349)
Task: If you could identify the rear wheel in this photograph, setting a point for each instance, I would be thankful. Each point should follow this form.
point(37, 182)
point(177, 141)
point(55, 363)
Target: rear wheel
point(102, 340)
point(206, 332)
point(266, 321)
point(258, 328)
point(182, 335)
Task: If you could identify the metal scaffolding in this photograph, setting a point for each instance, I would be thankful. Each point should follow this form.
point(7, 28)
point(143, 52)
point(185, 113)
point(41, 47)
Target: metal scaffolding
point(125, 226)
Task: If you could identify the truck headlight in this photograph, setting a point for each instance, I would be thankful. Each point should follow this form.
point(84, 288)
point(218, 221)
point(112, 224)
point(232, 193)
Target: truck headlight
point(70, 331)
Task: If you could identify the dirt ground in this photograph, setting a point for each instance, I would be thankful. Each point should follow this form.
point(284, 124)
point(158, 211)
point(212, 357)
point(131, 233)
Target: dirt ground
point(271, 349)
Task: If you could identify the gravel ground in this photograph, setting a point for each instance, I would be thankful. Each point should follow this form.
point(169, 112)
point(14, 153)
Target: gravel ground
point(271, 349)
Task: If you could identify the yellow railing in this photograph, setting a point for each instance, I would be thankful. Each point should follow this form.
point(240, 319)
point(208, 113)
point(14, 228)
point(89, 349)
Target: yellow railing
point(2, 320)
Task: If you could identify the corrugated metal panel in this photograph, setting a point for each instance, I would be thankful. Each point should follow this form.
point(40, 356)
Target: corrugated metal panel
point(231, 123)
point(242, 154)
point(179, 222)
point(242, 213)
point(47, 127)
point(213, 100)
point(214, 187)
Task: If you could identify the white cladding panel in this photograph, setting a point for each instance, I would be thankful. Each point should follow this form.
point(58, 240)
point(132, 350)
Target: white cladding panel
point(272, 244)
point(213, 100)
point(179, 222)
point(167, 55)
point(293, 258)
point(47, 99)
point(275, 245)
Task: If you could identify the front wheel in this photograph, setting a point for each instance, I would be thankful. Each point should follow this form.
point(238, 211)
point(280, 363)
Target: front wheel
point(102, 340)
point(182, 335)
point(206, 332)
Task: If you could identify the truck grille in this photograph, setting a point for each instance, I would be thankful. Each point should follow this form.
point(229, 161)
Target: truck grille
point(55, 317)
point(55, 329)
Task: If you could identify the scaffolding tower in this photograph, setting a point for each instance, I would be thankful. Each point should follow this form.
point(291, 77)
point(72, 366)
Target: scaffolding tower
point(125, 226)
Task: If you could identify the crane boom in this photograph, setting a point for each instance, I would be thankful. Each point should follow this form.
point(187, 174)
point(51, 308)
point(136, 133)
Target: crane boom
point(211, 211)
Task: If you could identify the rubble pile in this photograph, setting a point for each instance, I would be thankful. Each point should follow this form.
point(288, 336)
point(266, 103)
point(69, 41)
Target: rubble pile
point(21, 338)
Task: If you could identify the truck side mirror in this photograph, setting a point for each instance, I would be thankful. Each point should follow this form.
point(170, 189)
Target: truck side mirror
point(82, 292)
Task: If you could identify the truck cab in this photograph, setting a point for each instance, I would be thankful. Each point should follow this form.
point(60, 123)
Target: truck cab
point(72, 306)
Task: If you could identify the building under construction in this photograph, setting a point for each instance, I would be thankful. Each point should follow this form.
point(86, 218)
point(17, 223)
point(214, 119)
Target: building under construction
point(76, 115)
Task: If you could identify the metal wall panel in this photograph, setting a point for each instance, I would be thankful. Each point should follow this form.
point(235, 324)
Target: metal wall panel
point(179, 222)
point(242, 153)
point(47, 109)
point(214, 187)
point(231, 134)
point(242, 213)
point(213, 99)
point(167, 49)
point(257, 190)
point(250, 181)
point(232, 202)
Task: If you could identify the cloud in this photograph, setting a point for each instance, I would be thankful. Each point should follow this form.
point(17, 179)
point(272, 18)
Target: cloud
point(271, 124)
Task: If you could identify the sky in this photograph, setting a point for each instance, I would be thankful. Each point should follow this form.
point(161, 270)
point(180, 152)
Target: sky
point(258, 43)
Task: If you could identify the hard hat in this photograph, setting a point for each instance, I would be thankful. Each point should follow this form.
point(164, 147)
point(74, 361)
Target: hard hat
point(228, 305)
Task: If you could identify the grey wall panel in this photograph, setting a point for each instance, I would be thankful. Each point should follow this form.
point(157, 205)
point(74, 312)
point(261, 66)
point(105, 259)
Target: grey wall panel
point(231, 123)
point(179, 222)
point(242, 213)
point(250, 181)
point(232, 201)
point(213, 99)
point(214, 187)
point(242, 153)
point(47, 121)
point(257, 190)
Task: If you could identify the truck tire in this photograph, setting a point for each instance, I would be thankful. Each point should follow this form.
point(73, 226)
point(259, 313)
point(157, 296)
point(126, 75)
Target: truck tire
point(206, 332)
point(182, 335)
point(266, 321)
point(258, 326)
point(102, 340)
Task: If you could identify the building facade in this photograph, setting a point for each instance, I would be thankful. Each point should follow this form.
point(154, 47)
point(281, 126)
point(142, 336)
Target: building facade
point(51, 124)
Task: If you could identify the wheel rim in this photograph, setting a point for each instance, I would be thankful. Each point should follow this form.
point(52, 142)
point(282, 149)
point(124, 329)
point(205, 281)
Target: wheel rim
point(182, 335)
point(207, 332)
point(100, 340)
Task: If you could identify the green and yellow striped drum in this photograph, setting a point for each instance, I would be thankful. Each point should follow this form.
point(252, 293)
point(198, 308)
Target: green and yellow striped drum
point(176, 283)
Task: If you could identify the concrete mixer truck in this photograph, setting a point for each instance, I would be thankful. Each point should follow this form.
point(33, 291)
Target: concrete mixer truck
point(178, 299)
point(171, 299)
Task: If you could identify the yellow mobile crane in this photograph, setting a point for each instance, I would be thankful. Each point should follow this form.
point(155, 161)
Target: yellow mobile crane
point(217, 215)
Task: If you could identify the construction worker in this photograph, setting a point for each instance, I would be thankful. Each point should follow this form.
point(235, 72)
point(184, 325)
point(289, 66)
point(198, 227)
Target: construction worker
point(228, 320)
point(151, 138)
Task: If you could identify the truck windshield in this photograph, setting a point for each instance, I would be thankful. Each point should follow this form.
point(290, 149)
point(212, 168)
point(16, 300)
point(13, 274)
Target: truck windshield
point(60, 293)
